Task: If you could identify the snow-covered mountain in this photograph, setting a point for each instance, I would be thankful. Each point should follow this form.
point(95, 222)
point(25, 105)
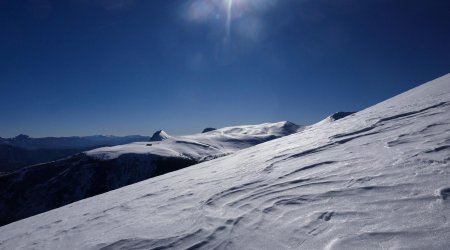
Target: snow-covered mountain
point(377, 179)
point(160, 135)
point(200, 147)
point(22, 150)
point(48, 186)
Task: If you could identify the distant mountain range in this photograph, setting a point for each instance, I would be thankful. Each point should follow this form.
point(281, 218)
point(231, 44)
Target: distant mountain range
point(22, 150)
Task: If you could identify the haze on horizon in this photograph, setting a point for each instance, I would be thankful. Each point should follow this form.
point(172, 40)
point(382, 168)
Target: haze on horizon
point(84, 67)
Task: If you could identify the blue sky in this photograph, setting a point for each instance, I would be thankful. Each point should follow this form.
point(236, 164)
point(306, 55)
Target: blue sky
point(83, 67)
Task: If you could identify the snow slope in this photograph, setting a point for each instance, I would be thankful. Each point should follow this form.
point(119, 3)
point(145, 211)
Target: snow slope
point(200, 146)
point(55, 184)
point(377, 179)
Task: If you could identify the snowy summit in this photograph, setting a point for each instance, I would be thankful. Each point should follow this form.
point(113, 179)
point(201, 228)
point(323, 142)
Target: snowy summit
point(159, 135)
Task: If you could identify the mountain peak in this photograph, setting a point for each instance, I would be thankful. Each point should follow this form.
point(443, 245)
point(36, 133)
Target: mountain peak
point(160, 135)
point(22, 137)
point(290, 127)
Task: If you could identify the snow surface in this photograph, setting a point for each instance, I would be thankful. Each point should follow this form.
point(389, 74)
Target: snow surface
point(200, 146)
point(54, 184)
point(378, 179)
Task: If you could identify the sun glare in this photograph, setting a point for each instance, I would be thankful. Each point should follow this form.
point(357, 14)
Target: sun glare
point(226, 10)
point(229, 15)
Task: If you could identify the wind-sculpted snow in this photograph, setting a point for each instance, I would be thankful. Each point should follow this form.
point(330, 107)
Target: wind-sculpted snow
point(55, 184)
point(378, 179)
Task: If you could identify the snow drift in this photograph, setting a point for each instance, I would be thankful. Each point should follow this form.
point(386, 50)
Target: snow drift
point(43, 187)
point(377, 179)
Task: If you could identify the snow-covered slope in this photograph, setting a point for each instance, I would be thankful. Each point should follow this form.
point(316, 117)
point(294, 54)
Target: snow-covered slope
point(201, 146)
point(378, 179)
point(55, 184)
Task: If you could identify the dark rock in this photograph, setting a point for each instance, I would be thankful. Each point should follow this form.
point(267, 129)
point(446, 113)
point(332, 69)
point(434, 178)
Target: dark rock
point(339, 115)
point(206, 130)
